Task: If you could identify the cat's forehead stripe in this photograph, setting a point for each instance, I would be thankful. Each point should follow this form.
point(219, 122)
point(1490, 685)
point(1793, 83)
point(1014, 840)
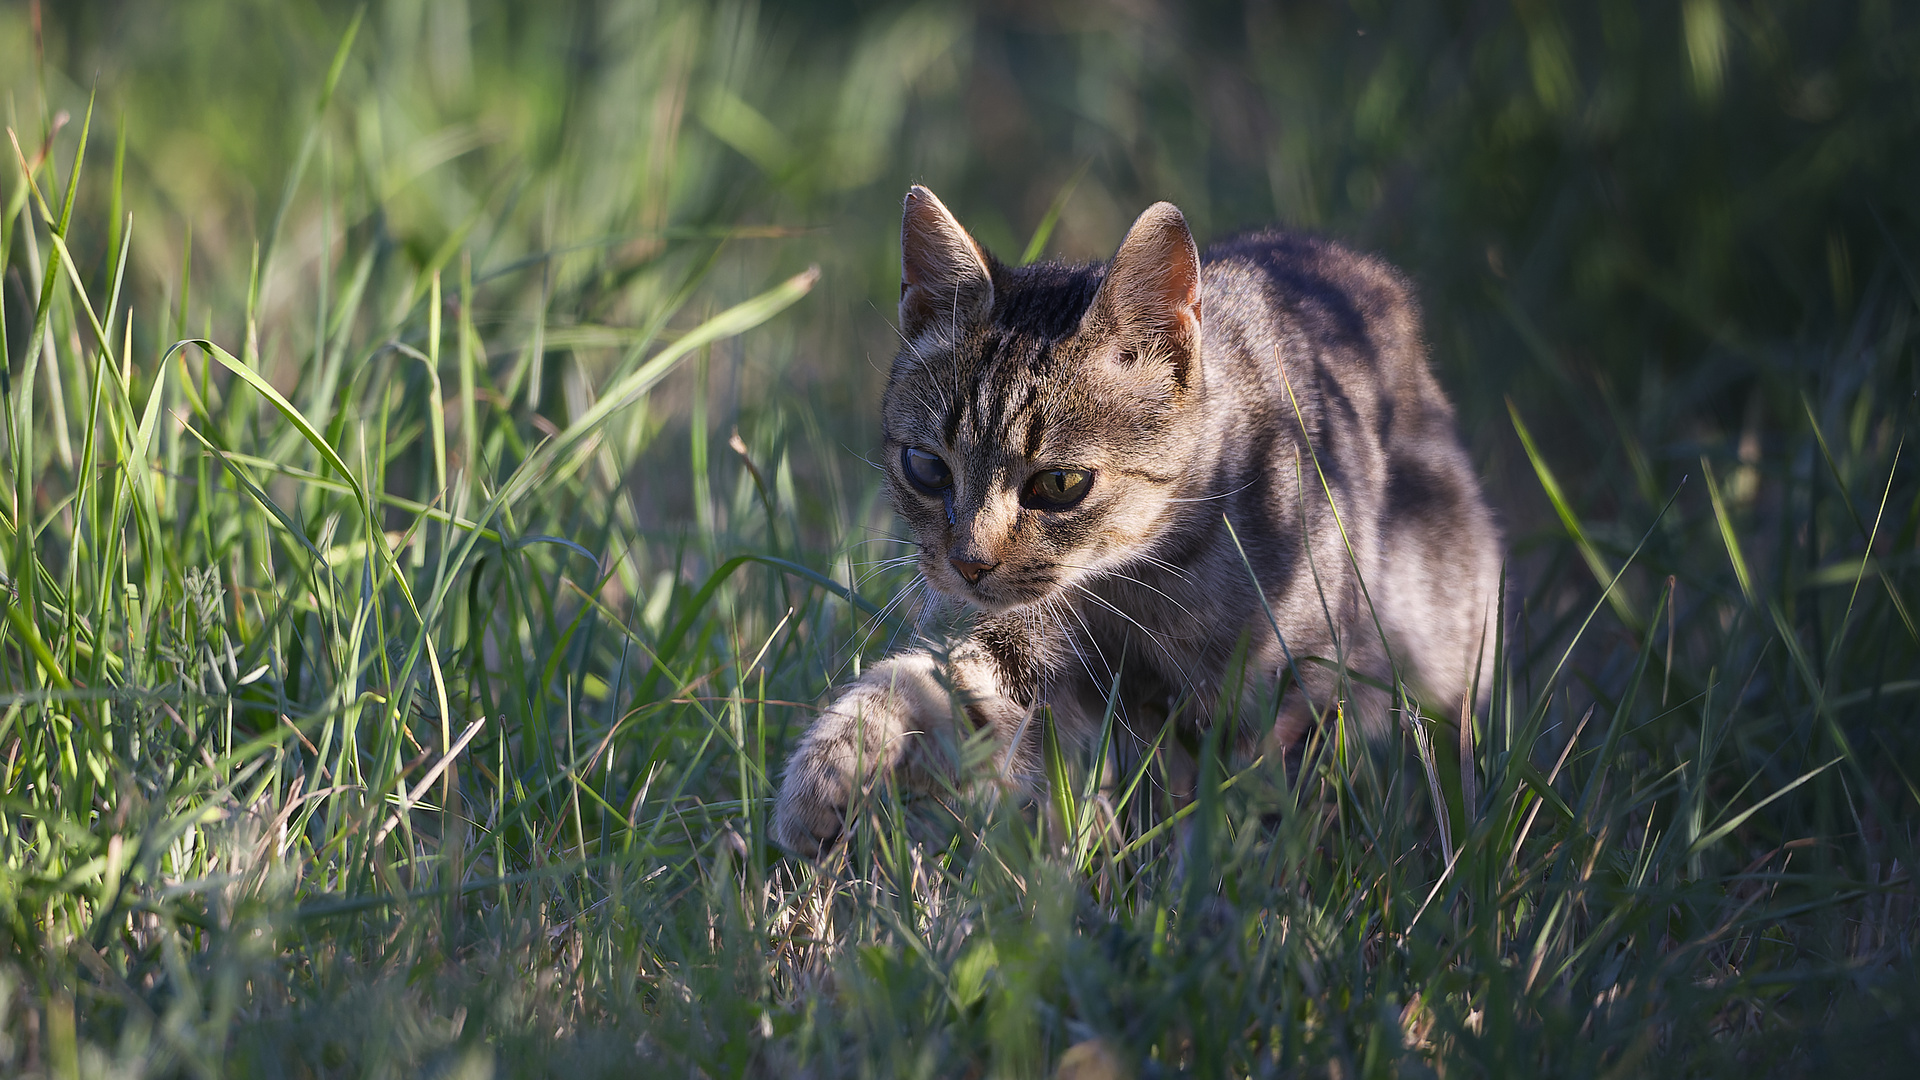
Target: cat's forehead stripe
point(958, 394)
point(950, 427)
point(973, 393)
point(1009, 379)
point(1012, 403)
point(986, 393)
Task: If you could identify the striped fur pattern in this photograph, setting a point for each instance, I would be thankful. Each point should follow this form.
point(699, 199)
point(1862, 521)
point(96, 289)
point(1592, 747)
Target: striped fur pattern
point(1068, 445)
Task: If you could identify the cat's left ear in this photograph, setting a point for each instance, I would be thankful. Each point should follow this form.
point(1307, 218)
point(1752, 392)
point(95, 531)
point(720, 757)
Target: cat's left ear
point(1151, 294)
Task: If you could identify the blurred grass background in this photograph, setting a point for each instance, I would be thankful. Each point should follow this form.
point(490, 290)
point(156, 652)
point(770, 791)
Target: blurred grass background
point(1668, 256)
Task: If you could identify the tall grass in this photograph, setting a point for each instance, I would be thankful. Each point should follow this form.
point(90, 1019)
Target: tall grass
point(400, 648)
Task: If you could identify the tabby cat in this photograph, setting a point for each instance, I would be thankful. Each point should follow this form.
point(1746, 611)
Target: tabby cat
point(1069, 445)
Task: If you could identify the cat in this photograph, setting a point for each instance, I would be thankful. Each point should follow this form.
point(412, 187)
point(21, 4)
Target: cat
point(1098, 462)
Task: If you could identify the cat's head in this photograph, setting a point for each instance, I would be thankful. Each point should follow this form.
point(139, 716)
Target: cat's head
point(1040, 421)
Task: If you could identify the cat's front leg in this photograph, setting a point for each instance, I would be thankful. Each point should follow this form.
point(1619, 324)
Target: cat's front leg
point(899, 719)
point(871, 729)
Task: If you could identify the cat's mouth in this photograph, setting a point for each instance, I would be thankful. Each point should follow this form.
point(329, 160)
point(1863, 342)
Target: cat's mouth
point(998, 590)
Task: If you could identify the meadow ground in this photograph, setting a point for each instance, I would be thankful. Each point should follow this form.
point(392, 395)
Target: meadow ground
point(435, 498)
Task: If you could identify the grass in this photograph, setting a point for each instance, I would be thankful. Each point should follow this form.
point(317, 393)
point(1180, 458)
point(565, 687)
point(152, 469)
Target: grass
point(409, 605)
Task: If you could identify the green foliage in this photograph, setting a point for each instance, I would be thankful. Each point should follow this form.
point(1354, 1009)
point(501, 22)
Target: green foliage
point(395, 671)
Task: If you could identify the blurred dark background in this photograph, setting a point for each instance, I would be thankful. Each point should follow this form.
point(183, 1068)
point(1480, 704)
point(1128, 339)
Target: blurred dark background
point(1632, 218)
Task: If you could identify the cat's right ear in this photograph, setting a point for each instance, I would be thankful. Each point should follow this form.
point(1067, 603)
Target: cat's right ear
point(945, 279)
point(1151, 294)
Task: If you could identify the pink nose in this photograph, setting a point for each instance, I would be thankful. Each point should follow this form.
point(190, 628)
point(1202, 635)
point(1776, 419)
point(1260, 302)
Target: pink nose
point(971, 569)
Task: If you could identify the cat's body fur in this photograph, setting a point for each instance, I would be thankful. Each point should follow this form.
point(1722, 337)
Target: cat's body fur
point(1280, 384)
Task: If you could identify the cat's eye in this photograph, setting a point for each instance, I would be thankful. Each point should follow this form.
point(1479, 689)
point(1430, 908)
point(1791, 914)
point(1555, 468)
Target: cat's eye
point(1057, 489)
point(926, 471)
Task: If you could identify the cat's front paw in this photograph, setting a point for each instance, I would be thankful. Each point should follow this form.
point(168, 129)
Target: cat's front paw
point(864, 734)
point(811, 810)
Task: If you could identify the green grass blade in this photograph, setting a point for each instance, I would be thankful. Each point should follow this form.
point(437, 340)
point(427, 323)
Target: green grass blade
point(1037, 244)
point(1728, 535)
point(1603, 573)
point(1714, 835)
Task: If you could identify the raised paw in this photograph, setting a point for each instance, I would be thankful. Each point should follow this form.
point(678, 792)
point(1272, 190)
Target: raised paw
point(867, 731)
point(811, 810)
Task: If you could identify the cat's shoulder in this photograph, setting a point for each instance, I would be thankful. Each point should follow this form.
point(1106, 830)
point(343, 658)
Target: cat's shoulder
point(1305, 264)
point(1330, 291)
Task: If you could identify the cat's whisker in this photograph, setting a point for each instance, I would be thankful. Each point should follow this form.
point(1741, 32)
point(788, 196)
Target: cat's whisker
point(1222, 495)
point(1092, 640)
point(882, 567)
point(904, 340)
point(918, 584)
point(1128, 577)
point(891, 560)
point(1092, 643)
point(1165, 565)
point(1102, 601)
point(878, 619)
point(900, 601)
point(933, 411)
point(863, 579)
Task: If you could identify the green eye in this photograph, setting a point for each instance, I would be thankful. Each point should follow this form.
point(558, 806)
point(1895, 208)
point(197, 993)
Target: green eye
point(926, 471)
point(1057, 489)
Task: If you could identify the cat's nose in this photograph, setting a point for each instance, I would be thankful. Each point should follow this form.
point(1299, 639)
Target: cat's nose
point(971, 569)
